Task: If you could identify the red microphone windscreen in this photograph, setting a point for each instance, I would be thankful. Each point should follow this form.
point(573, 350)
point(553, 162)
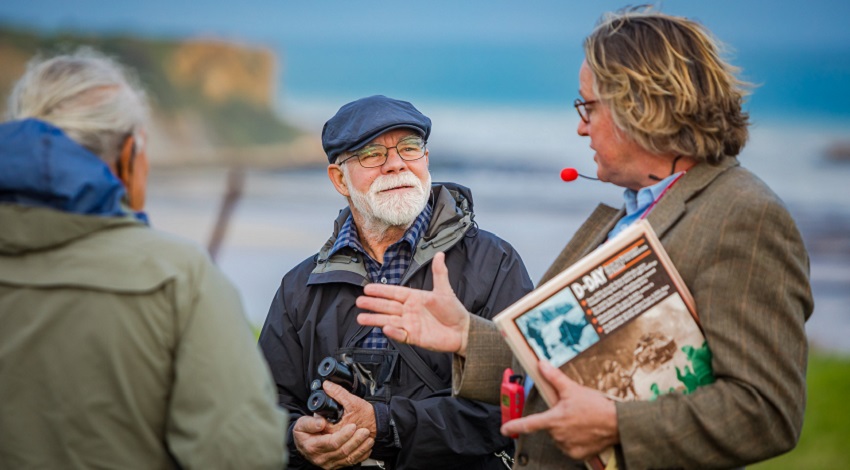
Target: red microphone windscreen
point(569, 174)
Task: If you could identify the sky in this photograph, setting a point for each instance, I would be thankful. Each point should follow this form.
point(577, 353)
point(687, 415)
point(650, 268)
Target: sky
point(798, 53)
point(774, 23)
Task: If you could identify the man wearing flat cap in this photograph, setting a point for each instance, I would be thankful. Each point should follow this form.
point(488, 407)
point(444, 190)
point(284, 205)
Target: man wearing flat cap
point(395, 223)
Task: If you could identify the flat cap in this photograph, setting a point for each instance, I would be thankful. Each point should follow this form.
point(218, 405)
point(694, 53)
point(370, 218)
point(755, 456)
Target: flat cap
point(358, 122)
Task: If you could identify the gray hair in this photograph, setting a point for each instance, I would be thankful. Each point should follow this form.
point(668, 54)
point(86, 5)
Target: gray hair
point(91, 97)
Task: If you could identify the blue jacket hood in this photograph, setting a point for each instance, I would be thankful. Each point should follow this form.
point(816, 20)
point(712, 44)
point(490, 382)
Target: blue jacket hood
point(41, 166)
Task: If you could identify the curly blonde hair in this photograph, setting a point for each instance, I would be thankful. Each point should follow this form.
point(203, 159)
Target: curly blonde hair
point(667, 86)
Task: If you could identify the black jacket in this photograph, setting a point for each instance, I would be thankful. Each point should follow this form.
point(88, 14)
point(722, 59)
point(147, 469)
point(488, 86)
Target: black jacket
point(313, 316)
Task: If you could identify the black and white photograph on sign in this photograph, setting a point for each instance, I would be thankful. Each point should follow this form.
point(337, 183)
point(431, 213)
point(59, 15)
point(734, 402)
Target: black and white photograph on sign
point(660, 351)
point(557, 329)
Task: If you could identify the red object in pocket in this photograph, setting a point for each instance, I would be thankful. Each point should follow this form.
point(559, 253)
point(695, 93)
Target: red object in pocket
point(513, 397)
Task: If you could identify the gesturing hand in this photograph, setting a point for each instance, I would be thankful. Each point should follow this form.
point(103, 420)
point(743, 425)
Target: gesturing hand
point(434, 320)
point(582, 423)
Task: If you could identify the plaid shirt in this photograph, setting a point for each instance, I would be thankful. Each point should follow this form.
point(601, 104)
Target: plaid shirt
point(396, 261)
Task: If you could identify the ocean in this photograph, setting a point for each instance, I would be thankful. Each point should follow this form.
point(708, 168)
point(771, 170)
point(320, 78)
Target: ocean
point(504, 126)
point(800, 82)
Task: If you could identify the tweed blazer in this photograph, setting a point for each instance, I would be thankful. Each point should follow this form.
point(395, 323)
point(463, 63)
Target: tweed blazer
point(741, 255)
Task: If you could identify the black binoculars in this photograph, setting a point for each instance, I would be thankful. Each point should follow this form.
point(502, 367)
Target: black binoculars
point(342, 374)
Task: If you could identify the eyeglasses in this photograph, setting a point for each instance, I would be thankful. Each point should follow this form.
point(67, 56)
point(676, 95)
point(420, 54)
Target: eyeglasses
point(581, 107)
point(376, 155)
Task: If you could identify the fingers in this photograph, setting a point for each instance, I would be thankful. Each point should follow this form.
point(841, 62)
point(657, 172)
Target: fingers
point(441, 274)
point(387, 312)
point(388, 325)
point(338, 393)
point(528, 424)
point(399, 334)
point(345, 447)
point(379, 305)
point(557, 379)
point(389, 316)
point(347, 439)
point(384, 291)
point(537, 422)
point(372, 319)
point(393, 327)
point(357, 410)
point(313, 444)
point(310, 425)
point(359, 452)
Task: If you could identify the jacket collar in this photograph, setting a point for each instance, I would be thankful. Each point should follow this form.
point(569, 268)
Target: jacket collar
point(452, 217)
point(42, 167)
point(27, 229)
point(663, 216)
point(672, 206)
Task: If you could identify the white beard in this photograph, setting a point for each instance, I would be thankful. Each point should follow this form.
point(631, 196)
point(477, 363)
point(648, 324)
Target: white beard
point(382, 211)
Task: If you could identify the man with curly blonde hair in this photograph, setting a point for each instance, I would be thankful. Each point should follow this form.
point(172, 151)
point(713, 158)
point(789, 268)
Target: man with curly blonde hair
point(664, 115)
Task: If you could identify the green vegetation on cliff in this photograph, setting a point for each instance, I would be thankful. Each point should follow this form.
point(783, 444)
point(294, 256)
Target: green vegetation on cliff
point(225, 91)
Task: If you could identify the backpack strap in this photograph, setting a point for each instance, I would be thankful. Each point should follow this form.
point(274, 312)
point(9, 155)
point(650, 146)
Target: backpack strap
point(420, 368)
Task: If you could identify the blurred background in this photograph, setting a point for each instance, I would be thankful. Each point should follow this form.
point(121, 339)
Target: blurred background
point(240, 91)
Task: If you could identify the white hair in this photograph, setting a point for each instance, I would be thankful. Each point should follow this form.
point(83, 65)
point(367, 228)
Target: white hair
point(91, 97)
point(381, 211)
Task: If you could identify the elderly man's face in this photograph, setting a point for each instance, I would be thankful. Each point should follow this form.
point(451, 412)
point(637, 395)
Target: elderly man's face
point(390, 195)
point(619, 158)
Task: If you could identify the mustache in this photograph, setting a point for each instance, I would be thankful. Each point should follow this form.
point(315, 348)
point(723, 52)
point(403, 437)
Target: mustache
point(385, 182)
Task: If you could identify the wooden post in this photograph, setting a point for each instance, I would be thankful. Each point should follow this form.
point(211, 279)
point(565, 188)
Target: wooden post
point(235, 183)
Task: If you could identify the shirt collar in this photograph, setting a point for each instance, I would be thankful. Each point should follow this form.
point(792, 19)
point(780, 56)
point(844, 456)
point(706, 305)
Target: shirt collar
point(640, 200)
point(348, 236)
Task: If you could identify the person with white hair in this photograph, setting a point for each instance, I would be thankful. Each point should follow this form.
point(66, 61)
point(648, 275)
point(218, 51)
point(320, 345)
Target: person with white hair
point(394, 223)
point(120, 346)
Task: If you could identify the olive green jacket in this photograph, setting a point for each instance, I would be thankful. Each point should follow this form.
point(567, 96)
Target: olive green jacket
point(123, 347)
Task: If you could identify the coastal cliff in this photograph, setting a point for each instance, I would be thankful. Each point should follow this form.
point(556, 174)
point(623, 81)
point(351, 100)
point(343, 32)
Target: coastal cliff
point(213, 102)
